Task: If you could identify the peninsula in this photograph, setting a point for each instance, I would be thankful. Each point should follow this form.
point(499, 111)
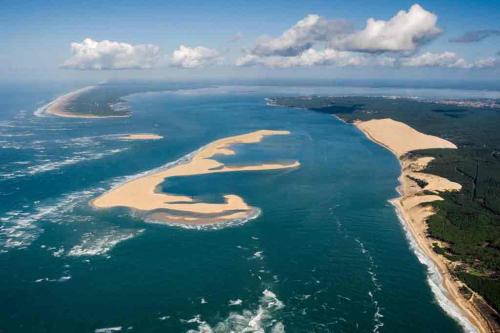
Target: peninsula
point(67, 106)
point(105, 100)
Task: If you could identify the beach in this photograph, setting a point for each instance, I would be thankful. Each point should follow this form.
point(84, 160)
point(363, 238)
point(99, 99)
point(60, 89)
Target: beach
point(141, 193)
point(412, 205)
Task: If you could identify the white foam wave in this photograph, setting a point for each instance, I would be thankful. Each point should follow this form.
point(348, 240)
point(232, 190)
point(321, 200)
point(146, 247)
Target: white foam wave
point(16, 135)
point(435, 281)
point(57, 165)
point(100, 243)
point(63, 278)
point(59, 252)
point(11, 145)
point(254, 213)
point(258, 320)
point(78, 157)
point(19, 228)
point(342, 297)
point(108, 329)
point(258, 255)
point(377, 316)
point(235, 302)
point(371, 267)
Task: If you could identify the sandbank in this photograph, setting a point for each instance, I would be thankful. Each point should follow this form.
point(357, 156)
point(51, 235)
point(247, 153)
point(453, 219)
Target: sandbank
point(140, 136)
point(141, 194)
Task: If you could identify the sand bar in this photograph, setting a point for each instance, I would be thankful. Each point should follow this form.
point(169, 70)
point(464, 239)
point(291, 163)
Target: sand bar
point(140, 136)
point(413, 204)
point(142, 194)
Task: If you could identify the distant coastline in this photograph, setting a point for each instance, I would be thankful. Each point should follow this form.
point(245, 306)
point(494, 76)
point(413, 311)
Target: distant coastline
point(60, 106)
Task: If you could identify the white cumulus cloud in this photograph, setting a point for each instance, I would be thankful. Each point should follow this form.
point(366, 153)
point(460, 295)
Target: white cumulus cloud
point(449, 60)
point(106, 54)
point(300, 37)
point(310, 57)
point(194, 57)
point(315, 40)
point(404, 32)
point(490, 62)
point(443, 59)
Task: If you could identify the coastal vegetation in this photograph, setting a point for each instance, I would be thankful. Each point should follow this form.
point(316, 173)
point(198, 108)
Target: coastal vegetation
point(107, 99)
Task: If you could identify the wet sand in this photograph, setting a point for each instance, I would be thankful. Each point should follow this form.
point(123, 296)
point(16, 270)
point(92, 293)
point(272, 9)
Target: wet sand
point(141, 194)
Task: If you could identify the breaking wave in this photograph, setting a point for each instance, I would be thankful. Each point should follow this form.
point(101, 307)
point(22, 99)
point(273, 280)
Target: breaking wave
point(377, 316)
point(259, 320)
point(108, 329)
point(48, 165)
point(19, 228)
point(78, 157)
point(100, 243)
point(252, 215)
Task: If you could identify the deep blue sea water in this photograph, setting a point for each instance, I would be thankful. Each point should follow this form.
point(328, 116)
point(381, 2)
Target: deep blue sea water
point(327, 253)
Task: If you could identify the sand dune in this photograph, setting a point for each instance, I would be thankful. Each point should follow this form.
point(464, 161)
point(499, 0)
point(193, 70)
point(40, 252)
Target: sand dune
point(399, 137)
point(413, 204)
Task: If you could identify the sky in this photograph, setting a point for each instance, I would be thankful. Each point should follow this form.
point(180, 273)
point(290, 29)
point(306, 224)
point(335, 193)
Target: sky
point(173, 40)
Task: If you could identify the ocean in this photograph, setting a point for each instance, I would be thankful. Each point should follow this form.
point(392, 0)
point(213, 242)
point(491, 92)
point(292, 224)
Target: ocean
point(327, 252)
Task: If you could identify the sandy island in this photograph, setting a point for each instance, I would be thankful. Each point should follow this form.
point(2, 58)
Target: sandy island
point(142, 194)
point(140, 136)
point(413, 206)
point(58, 107)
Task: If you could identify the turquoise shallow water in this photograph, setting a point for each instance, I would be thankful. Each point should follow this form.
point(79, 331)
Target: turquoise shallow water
point(327, 253)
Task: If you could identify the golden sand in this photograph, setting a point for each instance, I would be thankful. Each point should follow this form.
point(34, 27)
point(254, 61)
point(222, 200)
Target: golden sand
point(413, 204)
point(399, 137)
point(141, 136)
point(141, 194)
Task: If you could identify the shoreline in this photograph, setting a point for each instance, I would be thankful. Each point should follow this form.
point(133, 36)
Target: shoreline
point(58, 105)
point(413, 210)
point(143, 195)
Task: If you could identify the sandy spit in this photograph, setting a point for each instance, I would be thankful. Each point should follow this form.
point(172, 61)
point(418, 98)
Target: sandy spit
point(58, 106)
